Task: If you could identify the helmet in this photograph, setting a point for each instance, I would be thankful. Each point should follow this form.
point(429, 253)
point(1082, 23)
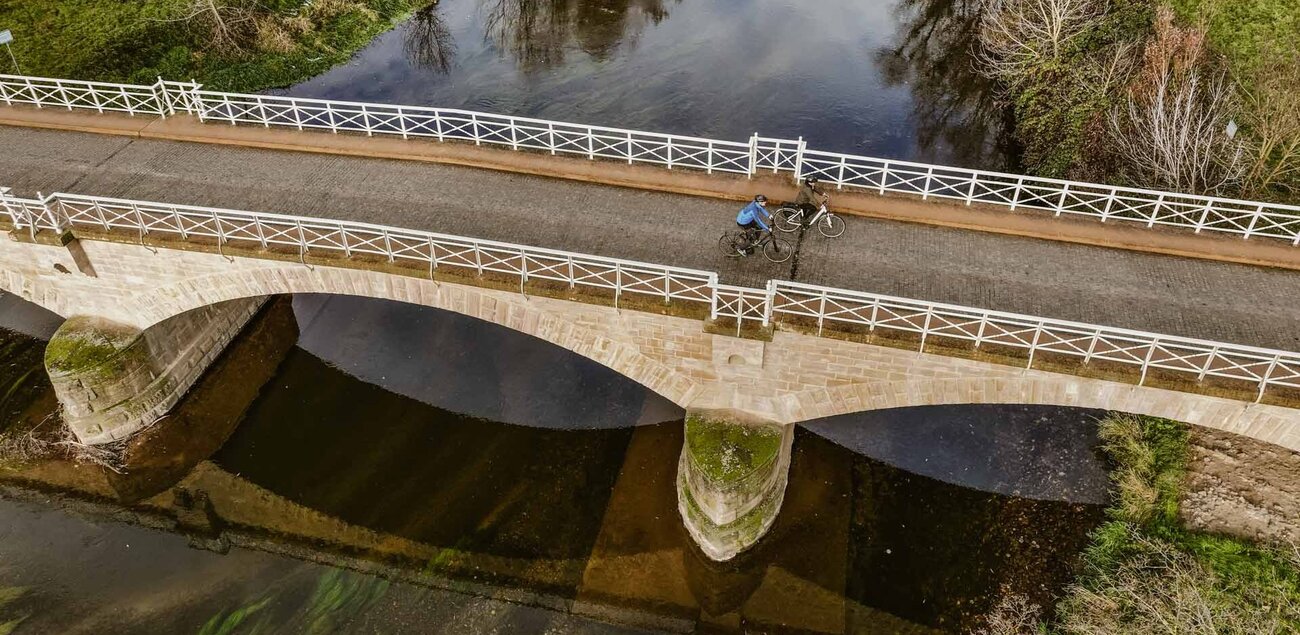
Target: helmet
point(760, 199)
point(810, 180)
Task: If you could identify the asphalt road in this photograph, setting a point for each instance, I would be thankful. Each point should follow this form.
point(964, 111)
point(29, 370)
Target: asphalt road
point(1179, 296)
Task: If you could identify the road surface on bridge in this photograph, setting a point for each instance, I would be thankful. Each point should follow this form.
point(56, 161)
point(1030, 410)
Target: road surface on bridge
point(1165, 294)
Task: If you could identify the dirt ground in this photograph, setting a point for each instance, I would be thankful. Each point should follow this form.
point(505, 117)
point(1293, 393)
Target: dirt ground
point(1242, 487)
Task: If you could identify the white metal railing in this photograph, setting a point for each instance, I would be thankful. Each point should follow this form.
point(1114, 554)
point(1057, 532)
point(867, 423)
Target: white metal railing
point(1035, 335)
point(780, 301)
point(884, 176)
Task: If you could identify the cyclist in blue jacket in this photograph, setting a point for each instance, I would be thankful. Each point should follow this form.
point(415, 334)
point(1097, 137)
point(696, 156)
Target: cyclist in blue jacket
point(753, 218)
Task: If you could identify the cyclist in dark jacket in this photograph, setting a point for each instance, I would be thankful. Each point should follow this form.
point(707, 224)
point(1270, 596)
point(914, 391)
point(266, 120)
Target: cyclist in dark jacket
point(810, 199)
point(753, 218)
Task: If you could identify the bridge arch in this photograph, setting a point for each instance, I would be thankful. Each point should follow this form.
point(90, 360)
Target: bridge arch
point(1271, 424)
point(36, 291)
point(511, 310)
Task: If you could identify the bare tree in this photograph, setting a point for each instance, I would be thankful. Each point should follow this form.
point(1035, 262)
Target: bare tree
point(1171, 132)
point(1016, 36)
point(228, 24)
point(1271, 118)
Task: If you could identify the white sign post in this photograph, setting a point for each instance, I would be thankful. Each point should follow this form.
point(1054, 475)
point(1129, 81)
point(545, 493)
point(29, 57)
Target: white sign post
point(5, 38)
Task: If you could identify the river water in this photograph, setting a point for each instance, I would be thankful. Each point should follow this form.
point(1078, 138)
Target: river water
point(888, 78)
point(355, 465)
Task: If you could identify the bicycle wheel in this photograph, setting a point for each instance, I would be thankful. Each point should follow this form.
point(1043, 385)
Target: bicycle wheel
point(788, 219)
point(731, 243)
point(830, 225)
point(778, 249)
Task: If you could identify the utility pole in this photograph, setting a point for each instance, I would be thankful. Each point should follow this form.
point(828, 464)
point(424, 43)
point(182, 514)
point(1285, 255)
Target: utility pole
point(5, 38)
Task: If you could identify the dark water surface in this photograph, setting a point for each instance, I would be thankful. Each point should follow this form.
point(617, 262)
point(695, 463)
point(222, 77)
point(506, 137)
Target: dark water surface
point(888, 78)
point(301, 489)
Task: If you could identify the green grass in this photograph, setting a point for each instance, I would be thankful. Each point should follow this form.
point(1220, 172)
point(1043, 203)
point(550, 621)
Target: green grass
point(134, 41)
point(725, 452)
point(1145, 572)
point(1247, 31)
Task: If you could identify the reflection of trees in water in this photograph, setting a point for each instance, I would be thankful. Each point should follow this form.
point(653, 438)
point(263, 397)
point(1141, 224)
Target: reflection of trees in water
point(428, 43)
point(536, 32)
point(953, 106)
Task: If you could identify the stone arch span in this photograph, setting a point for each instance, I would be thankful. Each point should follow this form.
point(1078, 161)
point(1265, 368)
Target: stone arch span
point(511, 310)
point(1271, 424)
point(36, 291)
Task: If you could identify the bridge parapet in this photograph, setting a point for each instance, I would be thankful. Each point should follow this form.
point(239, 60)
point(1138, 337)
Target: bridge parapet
point(759, 155)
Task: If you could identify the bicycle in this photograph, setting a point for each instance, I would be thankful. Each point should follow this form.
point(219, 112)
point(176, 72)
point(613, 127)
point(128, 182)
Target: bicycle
point(735, 244)
point(790, 219)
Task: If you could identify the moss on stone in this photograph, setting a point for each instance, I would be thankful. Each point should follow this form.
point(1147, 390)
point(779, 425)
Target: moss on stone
point(93, 347)
point(726, 452)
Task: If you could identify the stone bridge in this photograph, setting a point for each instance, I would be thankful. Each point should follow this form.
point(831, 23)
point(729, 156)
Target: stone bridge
point(152, 297)
point(146, 319)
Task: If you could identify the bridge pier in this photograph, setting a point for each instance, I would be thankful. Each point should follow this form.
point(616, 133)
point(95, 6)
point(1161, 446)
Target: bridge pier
point(731, 480)
point(114, 379)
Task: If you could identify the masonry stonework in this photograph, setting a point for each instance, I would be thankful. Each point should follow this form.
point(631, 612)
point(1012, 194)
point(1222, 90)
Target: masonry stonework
point(793, 377)
point(113, 380)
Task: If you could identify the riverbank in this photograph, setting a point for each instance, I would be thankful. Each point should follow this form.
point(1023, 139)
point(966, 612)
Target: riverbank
point(1154, 567)
point(235, 45)
point(1143, 92)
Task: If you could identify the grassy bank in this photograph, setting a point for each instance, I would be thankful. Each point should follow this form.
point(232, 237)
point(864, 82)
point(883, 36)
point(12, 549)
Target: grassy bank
point(244, 45)
point(1141, 92)
point(1144, 572)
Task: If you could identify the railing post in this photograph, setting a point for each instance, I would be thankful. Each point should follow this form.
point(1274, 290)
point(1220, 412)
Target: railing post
point(388, 246)
point(884, 176)
point(769, 303)
point(176, 218)
point(4, 93)
point(433, 258)
point(437, 125)
point(1110, 202)
point(1146, 363)
point(31, 88)
point(798, 160)
point(1160, 201)
point(839, 180)
point(365, 121)
point(1092, 347)
point(629, 148)
point(473, 119)
point(99, 105)
point(63, 93)
point(1015, 192)
point(753, 156)
point(925, 189)
point(1060, 203)
point(514, 135)
point(196, 101)
point(230, 110)
point(550, 137)
point(261, 111)
point(1263, 381)
point(302, 243)
point(709, 158)
point(970, 193)
point(925, 328)
point(670, 153)
point(1254, 220)
point(591, 145)
point(1205, 216)
point(343, 238)
point(1209, 359)
point(1033, 346)
point(221, 235)
point(401, 122)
